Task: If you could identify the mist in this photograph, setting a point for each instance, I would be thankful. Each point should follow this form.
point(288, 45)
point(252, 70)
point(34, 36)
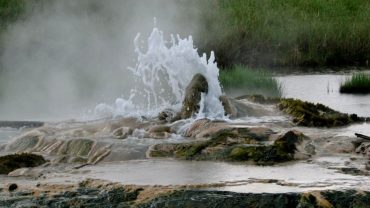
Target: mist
point(65, 57)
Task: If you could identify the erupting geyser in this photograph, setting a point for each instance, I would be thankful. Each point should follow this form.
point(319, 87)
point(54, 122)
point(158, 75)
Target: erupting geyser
point(161, 76)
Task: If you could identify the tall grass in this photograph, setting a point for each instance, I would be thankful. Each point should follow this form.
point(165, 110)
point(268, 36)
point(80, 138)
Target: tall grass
point(243, 80)
point(358, 83)
point(10, 10)
point(291, 32)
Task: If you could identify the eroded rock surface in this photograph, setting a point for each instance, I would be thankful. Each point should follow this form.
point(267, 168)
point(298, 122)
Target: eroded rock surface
point(239, 144)
point(194, 90)
point(94, 193)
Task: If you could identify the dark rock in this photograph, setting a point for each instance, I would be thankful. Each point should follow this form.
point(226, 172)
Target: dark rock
point(197, 198)
point(228, 106)
point(315, 115)
point(353, 171)
point(190, 105)
point(21, 124)
point(167, 115)
point(12, 187)
point(228, 145)
point(9, 163)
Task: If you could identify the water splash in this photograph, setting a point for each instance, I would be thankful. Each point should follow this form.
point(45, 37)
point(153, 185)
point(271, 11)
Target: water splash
point(161, 75)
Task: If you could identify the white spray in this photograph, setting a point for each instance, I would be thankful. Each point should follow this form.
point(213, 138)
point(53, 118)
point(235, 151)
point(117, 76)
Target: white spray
point(161, 76)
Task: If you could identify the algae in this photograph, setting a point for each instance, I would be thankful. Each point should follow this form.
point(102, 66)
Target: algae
point(9, 163)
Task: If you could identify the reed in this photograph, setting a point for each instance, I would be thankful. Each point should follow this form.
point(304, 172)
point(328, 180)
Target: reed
point(358, 83)
point(249, 81)
point(291, 33)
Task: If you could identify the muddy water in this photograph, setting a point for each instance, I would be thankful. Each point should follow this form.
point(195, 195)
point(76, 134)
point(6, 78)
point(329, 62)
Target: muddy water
point(325, 89)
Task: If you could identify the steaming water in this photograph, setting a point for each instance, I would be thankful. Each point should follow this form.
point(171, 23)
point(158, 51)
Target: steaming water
point(161, 76)
point(6, 134)
point(232, 176)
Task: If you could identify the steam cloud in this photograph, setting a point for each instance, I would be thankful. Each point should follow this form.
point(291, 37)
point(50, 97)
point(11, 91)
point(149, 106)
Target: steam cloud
point(67, 56)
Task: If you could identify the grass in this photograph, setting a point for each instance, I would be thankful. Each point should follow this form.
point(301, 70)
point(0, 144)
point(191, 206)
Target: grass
point(358, 83)
point(240, 79)
point(255, 33)
point(290, 32)
point(10, 10)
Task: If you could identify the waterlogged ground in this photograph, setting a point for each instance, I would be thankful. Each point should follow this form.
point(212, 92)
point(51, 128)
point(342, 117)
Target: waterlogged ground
point(321, 172)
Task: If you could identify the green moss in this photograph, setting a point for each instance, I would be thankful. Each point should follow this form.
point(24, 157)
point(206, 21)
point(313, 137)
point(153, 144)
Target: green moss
point(189, 151)
point(9, 163)
point(218, 148)
point(316, 115)
point(358, 83)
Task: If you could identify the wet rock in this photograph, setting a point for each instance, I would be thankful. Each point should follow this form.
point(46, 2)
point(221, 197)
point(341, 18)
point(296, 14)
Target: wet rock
point(159, 132)
point(229, 108)
point(315, 115)
point(190, 105)
point(206, 128)
point(122, 132)
point(12, 187)
point(364, 149)
point(76, 147)
point(353, 171)
point(199, 198)
point(9, 163)
point(229, 145)
point(27, 172)
point(160, 128)
point(25, 142)
point(167, 115)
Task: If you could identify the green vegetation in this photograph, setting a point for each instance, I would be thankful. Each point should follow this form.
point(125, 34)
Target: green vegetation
point(270, 32)
point(10, 10)
point(290, 32)
point(316, 115)
point(358, 83)
point(8, 163)
point(231, 145)
point(250, 81)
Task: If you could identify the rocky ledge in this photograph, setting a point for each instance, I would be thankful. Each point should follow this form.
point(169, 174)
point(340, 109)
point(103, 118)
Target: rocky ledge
point(94, 193)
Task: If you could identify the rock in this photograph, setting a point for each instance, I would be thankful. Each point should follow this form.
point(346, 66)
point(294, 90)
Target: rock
point(209, 198)
point(9, 163)
point(122, 132)
point(316, 115)
point(364, 148)
point(167, 115)
point(160, 129)
point(159, 132)
point(235, 145)
point(228, 107)
point(26, 141)
point(190, 105)
point(12, 187)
